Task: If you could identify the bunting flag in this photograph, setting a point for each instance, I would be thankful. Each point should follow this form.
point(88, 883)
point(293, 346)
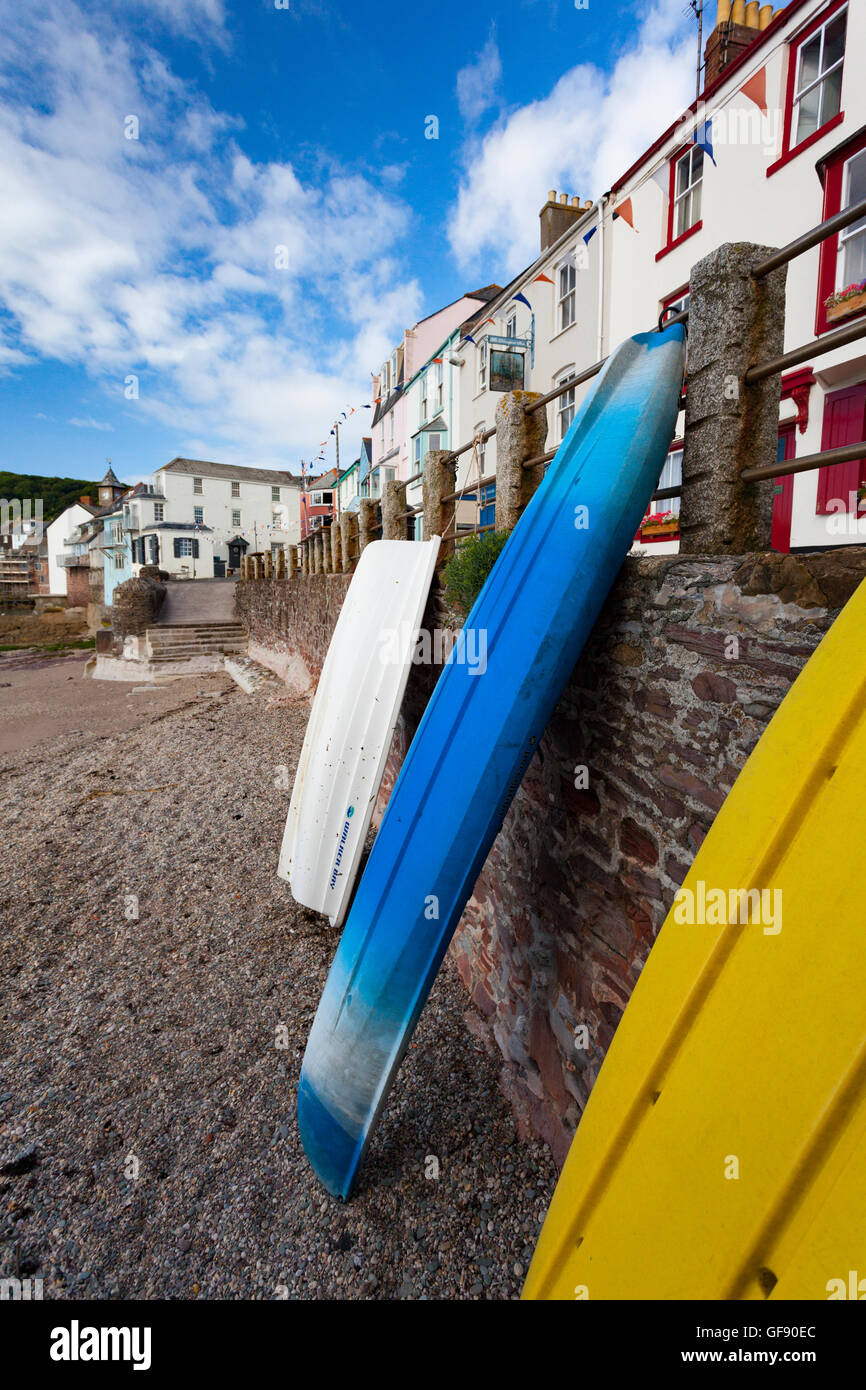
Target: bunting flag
point(661, 177)
point(756, 90)
point(626, 213)
point(521, 298)
point(588, 236)
point(704, 138)
point(468, 338)
point(438, 359)
point(545, 278)
point(486, 321)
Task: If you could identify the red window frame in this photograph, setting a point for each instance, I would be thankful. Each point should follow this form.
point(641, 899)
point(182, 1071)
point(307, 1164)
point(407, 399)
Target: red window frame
point(789, 152)
point(671, 241)
point(831, 172)
point(670, 299)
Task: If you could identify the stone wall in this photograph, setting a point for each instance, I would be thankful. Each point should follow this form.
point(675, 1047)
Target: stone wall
point(78, 586)
point(687, 663)
point(136, 603)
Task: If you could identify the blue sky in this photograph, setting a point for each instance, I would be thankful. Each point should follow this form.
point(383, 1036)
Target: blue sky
point(220, 214)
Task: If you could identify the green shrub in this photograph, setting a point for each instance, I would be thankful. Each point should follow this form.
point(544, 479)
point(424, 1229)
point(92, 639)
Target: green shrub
point(466, 572)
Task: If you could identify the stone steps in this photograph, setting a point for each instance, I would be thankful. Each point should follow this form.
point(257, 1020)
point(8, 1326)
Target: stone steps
point(185, 641)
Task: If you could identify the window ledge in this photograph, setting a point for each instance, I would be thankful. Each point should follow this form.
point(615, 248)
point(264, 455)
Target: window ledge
point(805, 144)
point(678, 241)
point(553, 337)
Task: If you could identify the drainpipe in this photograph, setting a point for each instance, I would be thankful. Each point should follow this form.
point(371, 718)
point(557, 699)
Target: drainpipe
point(600, 207)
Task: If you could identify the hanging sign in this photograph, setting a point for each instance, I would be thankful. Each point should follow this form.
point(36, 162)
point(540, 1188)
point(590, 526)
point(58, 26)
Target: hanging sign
point(506, 371)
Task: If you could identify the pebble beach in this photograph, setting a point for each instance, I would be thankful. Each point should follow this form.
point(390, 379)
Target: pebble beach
point(159, 985)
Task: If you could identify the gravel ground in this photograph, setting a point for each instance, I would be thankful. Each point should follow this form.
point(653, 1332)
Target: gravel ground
point(148, 1144)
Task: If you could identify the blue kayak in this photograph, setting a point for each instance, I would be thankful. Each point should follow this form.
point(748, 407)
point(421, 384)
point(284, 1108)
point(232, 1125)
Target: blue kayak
point(474, 743)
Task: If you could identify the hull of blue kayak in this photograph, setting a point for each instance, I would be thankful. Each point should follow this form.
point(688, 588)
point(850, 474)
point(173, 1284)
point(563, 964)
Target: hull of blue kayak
point(483, 723)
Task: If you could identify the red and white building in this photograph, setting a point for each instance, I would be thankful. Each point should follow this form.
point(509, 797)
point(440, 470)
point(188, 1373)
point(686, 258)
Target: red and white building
point(784, 105)
point(319, 502)
point(775, 173)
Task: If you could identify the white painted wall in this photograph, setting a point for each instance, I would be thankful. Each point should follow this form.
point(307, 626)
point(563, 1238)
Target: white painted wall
point(56, 535)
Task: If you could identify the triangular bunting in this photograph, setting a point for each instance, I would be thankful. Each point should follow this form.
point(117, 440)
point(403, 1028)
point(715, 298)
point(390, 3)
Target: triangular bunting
point(756, 90)
point(626, 213)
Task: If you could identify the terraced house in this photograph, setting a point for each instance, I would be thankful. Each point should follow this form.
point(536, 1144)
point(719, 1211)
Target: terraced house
point(775, 143)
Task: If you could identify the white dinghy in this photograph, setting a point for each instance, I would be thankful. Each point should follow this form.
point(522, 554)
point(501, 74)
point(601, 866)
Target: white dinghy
point(352, 721)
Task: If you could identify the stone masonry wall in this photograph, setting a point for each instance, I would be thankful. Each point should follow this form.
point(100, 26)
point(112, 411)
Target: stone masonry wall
point(686, 665)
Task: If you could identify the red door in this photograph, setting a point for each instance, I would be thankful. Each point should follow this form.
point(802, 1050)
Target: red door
point(844, 423)
point(780, 535)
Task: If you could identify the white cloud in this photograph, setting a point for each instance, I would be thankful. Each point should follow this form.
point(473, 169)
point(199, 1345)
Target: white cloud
point(478, 84)
point(89, 423)
point(578, 138)
point(157, 256)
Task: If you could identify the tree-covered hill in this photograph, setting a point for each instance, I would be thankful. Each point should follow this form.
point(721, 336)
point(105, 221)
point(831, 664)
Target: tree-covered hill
point(56, 493)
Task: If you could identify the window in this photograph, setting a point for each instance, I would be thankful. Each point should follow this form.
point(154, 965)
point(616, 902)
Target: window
point(197, 487)
point(567, 296)
point(482, 447)
point(565, 405)
point(688, 176)
point(814, 94)
point(236, 489)
point(670, 476)
point(439, 379)
point(851, 259)
point(424, 397)
point(395, 363)
point(275, 494)
point(511, 324)
point(842, 258)
point(386, 378)
point(198, 515)
point(236, 518)
point(277, 547)
point(321, 499)
point(391, 426)
point(482, 365)
point(182, 546)
point(676, 304)
point(119, 559)
point(158, 511)
point(818, 81)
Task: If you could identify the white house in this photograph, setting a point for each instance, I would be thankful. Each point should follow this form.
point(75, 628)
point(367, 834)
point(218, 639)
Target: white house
point(784, 105)
point(58, 535)
point(197, 518)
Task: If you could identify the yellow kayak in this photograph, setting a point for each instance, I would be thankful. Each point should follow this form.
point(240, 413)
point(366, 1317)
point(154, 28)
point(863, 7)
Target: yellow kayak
point(722, 1154)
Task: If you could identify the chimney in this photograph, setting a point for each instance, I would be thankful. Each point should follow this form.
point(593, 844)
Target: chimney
point(557, 217)
point(738, 24)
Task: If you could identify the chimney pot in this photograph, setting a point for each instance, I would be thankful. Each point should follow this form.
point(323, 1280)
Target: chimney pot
point(738, 12)
point(765, 14)
point(752, 14)
point(563, 198)
point(575, 202)
point(551, 197)
point(723, 12)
